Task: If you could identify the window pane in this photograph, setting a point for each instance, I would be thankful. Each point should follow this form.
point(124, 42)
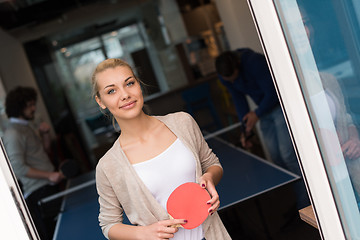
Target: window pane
point(77, 72)
point(323, 41)
point(81, 47)
point(112, 45)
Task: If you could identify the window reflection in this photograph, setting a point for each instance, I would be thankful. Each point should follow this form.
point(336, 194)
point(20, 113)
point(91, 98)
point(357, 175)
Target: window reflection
point(324, 52)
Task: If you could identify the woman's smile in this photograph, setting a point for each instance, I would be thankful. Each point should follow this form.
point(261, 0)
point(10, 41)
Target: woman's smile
point(128, 105)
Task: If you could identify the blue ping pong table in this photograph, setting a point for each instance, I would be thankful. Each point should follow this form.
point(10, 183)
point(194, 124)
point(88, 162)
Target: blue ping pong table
point(245, 176)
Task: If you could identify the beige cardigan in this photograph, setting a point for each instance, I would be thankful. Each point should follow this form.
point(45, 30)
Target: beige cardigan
point(120, 188)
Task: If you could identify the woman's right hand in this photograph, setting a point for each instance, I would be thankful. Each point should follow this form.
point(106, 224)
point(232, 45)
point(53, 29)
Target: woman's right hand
point(162, 230)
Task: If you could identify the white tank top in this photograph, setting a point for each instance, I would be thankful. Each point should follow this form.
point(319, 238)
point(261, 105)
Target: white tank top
point(163, 173)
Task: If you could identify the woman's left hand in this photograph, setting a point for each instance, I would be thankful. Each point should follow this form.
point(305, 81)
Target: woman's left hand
point(207, 183)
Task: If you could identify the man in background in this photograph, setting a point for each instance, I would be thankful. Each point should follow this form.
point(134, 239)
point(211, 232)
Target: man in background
point(27, 149)
point(245, 73)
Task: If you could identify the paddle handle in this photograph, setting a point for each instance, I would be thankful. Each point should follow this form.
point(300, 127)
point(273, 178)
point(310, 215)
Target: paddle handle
point(175, 225)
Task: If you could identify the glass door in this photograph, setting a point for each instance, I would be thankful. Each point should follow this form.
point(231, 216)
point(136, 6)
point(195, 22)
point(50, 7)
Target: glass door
point(15, 220)
point(312, 49)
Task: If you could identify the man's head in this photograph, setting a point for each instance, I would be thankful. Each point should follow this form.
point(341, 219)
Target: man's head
point(21, 103)
point(227, 65)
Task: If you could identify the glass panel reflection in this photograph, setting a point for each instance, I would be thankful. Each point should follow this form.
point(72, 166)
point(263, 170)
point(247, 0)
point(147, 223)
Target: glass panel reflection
point(322, 37)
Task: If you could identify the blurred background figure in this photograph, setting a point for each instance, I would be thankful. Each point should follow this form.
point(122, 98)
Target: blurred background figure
point(245, 73)
point(332, 88)
point(28, 149)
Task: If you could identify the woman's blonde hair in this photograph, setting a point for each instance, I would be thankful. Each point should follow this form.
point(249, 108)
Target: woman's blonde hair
point(104, 65)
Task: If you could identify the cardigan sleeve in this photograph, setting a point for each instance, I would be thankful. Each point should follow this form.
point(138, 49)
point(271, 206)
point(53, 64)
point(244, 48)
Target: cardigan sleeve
point(206, 155)
point(111, 211)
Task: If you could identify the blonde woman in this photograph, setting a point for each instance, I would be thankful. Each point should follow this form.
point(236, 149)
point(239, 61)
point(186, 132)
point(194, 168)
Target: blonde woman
point(152, 156)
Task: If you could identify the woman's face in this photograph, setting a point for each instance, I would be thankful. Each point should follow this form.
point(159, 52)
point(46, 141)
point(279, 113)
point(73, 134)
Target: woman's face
point(119, 92)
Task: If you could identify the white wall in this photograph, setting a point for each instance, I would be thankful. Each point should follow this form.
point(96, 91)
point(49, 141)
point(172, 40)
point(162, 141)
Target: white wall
point(238, 24)
point(15, 69)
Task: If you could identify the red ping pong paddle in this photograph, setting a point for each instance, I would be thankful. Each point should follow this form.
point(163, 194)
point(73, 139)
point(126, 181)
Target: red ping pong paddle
point(189, 201)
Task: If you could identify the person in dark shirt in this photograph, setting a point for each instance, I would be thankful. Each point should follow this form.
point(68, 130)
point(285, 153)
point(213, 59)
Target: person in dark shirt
point(245, 73)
